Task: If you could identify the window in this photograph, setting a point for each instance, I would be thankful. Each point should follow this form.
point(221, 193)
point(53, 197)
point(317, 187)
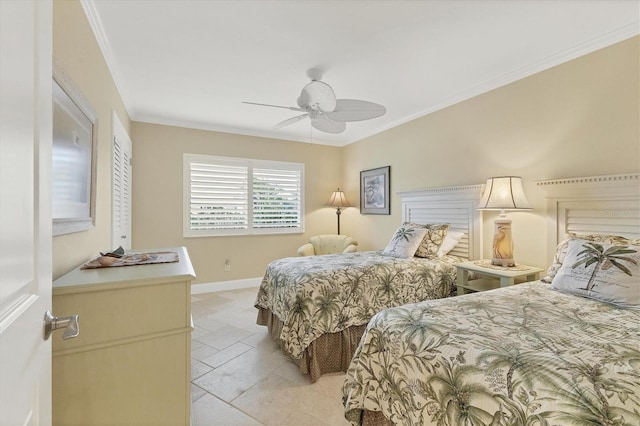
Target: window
point(120, 187)
point(238, 196)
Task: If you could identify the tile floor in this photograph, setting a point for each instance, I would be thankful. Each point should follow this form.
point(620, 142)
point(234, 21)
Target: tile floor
point(239, 376)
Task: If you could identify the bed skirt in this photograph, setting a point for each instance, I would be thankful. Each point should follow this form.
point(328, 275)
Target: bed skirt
point(329, 353)
point(374, 418)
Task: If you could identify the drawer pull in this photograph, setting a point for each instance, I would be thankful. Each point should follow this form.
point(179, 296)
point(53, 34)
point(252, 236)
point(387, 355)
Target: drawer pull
point(70, 325)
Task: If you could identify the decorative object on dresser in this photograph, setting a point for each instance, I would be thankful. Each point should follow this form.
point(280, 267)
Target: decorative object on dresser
point(339, 201)
point(503, 193)
point(375, 186)
point(111, 261)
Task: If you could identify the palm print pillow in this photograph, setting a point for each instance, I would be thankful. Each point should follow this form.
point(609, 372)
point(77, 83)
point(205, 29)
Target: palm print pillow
point(561, 250)
point(601, 271)
point(405, 241)
point(432, 240)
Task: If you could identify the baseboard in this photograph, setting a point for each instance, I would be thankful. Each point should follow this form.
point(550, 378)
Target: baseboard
point(225, 285)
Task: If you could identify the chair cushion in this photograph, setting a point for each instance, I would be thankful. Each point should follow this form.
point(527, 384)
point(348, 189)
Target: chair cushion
point(330, 243)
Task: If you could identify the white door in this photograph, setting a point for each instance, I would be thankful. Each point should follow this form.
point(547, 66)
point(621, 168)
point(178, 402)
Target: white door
point(25, 210)
point(121, 187)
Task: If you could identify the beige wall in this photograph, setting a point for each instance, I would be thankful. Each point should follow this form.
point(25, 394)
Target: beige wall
point(75, 47)
point(577, 119)
point(157, 197)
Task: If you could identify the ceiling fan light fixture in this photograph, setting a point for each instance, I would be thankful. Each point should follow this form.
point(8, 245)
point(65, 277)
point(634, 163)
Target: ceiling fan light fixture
point(317, 95)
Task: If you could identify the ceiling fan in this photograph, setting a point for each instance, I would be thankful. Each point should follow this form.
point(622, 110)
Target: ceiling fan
point(327, 114)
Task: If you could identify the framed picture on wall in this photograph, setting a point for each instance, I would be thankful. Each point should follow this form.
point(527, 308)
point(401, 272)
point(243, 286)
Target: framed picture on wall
point(374, 191)
point(74, 153)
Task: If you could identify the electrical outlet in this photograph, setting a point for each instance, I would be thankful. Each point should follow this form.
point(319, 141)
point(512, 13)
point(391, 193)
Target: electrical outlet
point(227, 265)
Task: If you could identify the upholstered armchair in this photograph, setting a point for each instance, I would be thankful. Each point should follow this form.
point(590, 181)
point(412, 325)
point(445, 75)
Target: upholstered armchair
point(328, 244)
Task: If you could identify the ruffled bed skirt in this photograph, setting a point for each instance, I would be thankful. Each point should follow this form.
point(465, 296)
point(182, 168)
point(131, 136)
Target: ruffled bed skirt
point(374, 418)
point(329, 353)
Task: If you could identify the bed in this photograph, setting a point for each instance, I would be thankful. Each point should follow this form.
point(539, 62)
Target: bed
point(317, 307)
point(530, 354)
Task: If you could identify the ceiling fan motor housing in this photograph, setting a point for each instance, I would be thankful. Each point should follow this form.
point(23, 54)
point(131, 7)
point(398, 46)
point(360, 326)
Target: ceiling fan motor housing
point(317, 96)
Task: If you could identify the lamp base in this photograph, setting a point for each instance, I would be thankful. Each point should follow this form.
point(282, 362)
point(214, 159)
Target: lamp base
point(502, 243)
point(505, 263)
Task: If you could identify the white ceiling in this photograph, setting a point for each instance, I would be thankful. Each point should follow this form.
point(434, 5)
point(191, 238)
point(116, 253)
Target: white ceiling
point(192, 63)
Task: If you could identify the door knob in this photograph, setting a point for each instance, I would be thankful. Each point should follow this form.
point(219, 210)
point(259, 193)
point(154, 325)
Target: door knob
point(70, 324)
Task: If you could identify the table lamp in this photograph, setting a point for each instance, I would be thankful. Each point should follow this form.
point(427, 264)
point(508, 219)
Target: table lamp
point(503, 193)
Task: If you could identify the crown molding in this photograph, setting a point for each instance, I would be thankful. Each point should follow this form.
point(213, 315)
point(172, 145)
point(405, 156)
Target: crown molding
point(613, 37)
point(91, 11)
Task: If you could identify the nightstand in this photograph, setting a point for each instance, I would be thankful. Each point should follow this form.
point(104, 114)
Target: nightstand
point(491, 276)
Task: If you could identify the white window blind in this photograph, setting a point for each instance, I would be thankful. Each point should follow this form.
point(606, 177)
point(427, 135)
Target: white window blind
point(121, 187)
point(236, 196)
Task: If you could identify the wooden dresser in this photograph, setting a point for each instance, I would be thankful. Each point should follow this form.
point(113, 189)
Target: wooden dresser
point(131, 363)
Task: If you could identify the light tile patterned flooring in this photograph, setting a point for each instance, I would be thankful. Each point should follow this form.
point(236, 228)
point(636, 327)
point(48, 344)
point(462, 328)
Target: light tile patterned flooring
point(239, 376)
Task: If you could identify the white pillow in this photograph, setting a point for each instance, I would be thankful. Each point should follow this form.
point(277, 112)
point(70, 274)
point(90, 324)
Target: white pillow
point(405, 241)
point(602, 271)
point(450, 241)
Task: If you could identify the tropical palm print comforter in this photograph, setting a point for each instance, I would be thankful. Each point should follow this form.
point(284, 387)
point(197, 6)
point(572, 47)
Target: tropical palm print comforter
point(314, 295)
point(522, 355)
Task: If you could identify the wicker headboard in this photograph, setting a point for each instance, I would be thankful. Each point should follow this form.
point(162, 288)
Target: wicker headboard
point(457, 205)
point(592, 205)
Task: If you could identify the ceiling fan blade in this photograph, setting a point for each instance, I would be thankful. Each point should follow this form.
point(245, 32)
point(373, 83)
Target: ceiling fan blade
point(275, 106)
point(290, 121)
point(325, 124)
point(355, 110)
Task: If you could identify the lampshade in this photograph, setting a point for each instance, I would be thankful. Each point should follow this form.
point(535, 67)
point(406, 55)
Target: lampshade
point(504, 193)
point(338, 199)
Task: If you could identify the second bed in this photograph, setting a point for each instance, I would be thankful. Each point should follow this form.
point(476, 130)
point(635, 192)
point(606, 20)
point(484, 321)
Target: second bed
point(317, 307)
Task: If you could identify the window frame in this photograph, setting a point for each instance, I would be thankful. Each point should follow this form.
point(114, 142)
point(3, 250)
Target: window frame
point(251, 164)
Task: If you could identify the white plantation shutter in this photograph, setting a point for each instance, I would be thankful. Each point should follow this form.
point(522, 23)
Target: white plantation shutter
point(121, 187)
point(235, 196)
point(117, 181)
point(277, 198)
point(218, 197)
point(125, 196)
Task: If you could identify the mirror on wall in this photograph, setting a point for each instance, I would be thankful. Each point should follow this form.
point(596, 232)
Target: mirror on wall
point(73, 157)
